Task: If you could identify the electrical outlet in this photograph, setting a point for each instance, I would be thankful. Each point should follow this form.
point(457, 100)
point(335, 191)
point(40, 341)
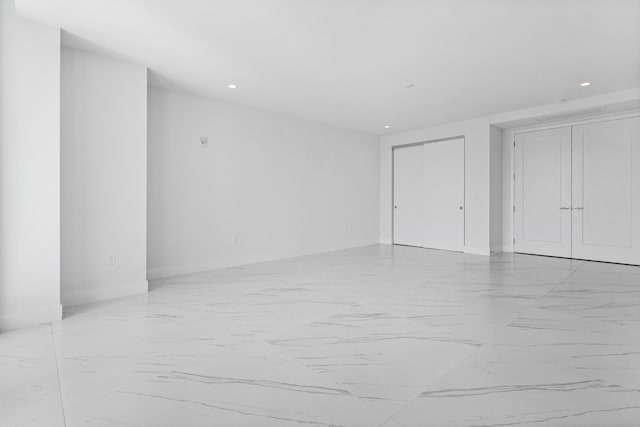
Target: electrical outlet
point(112, 259)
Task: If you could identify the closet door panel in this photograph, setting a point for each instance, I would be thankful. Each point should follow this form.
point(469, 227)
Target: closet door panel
point(408, 196)
point(444, 196)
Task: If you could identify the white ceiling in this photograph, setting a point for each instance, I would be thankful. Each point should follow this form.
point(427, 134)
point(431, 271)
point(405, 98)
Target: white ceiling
point(345, 62)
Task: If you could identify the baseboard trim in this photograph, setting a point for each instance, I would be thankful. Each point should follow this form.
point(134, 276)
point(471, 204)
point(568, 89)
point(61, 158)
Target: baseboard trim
point(167, 272)
point(161, 273)
point(103, 293)
point(477, 251)
point(30, 317)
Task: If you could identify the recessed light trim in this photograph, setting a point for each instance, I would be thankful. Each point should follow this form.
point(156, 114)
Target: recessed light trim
point(232, 86)
point(387, 126)
point(585, 84)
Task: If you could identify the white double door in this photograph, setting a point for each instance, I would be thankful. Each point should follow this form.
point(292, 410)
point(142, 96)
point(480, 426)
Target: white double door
point(577, 192)
point(428, 195)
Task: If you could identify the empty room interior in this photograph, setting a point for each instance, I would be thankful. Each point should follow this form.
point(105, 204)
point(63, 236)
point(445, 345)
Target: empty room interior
point(377, 213)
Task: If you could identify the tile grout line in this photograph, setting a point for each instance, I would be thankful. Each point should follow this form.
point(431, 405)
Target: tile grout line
point(506, 325)
point(556, 285)
point(533, 305)
point(55, 354)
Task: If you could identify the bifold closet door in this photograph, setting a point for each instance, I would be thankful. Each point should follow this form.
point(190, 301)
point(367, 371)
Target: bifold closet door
point(542, 218)
point(408, 195)
point(606, 191)
point(444, 195)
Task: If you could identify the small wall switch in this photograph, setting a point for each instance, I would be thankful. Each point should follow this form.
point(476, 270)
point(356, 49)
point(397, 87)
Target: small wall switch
point(204, 142)
point(234, 239)
point(112, 259)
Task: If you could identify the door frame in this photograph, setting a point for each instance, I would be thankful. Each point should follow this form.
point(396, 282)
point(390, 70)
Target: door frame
point(464, 166)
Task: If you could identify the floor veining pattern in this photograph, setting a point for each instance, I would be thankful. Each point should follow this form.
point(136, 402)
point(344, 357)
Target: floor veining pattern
point(374, 336)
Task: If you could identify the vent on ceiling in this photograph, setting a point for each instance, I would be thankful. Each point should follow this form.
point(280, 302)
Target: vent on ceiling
point(569, 115)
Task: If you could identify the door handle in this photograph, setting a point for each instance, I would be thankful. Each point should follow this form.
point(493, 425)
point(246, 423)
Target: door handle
point(395, 207)
point(578, 209)
point(564, 208)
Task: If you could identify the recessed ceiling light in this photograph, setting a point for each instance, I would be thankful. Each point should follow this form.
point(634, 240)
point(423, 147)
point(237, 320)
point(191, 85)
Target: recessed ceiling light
point(584, 84)
point(387, 126)
point(410, 85)
point(560, 100)
point(232, 86)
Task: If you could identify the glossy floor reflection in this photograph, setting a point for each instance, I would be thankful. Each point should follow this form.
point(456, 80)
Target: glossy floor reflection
point(374, 336)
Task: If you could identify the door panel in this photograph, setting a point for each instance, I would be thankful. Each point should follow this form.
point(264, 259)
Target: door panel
point(444, 196)
point(606, 191)
point(543, 192)
point(408, 195)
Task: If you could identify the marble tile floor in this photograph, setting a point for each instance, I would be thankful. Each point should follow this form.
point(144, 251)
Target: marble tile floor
point(373, 336)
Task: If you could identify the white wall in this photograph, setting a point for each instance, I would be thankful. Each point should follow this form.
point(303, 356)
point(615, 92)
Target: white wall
point(29, 171)
point(267, 187)
point(104, 158)
point(486, 204)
